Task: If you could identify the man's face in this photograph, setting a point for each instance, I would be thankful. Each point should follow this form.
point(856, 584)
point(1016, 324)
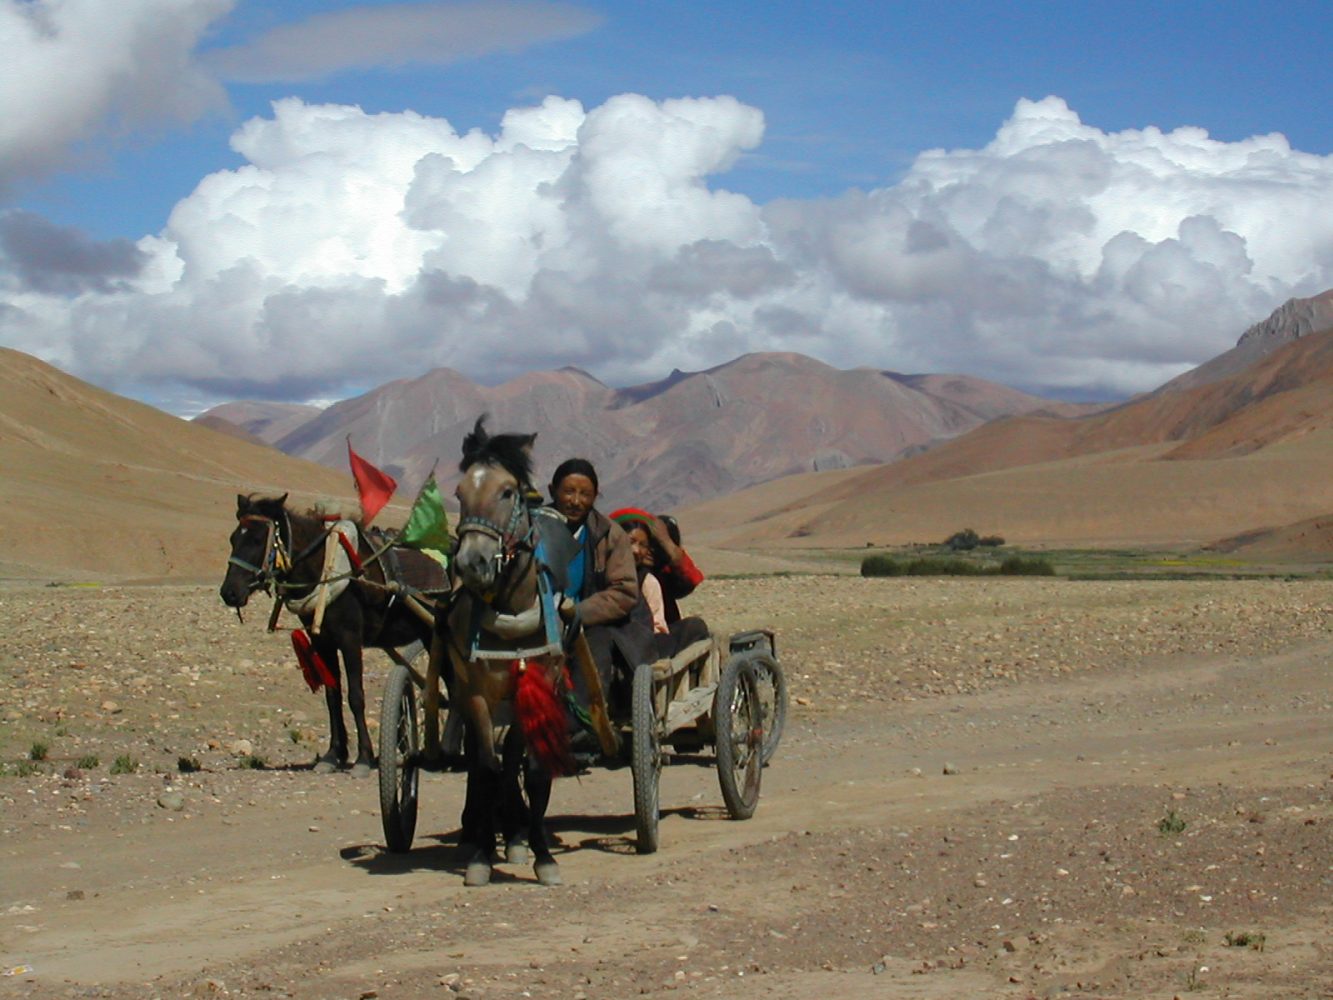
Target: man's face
point(574, 497)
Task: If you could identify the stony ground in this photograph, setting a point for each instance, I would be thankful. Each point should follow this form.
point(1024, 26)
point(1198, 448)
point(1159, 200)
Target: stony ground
point(1010, 788)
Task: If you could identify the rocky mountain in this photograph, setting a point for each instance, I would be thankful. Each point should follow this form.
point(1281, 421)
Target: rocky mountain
point(1292, 320)
point(687, 437)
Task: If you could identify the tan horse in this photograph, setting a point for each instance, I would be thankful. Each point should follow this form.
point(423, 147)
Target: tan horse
point(503, 637)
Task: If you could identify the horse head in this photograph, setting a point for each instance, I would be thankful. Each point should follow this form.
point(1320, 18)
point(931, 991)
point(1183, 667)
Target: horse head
point(256, 547)
point(494, 523)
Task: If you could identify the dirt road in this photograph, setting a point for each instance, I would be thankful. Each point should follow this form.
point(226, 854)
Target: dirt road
point(988, 788)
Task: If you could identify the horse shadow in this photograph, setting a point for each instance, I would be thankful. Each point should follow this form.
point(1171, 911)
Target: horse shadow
point(445, 852)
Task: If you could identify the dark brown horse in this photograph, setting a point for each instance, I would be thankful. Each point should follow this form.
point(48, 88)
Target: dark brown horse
point(502, 637)
point(279, 550)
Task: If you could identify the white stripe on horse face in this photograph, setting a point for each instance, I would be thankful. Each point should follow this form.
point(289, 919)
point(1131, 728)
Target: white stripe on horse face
point(478, 474)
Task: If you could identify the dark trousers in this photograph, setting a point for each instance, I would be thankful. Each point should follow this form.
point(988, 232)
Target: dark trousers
point(679, 634)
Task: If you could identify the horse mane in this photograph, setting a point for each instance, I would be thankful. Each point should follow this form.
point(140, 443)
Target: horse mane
point(511, 452)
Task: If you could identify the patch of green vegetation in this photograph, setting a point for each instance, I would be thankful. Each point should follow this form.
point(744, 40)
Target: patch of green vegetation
point(21, 769)
point(188, 765)
point(1020, 565)
point(124, 764)
point(1170, 824)
point(884, 564)
point(87, 762)
point(253, 762)
point(38, 750)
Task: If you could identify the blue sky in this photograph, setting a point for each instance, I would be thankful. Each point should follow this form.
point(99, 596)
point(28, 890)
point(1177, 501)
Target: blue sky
point(851, 96)
point(849, 100)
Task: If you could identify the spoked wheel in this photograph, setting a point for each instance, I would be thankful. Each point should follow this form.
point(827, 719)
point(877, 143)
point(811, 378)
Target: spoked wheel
point(772, 688)
point(739, 725)
point(645, 759)
point(400, 745)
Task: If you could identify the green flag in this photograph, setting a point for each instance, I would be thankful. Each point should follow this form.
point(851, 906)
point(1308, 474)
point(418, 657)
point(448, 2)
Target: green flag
point(427, 525)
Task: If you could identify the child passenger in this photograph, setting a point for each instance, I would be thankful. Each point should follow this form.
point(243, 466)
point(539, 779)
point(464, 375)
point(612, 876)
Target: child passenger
point(671, 632)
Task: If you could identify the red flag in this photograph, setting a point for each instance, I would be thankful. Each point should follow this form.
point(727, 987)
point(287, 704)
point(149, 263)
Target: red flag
point(374, 486)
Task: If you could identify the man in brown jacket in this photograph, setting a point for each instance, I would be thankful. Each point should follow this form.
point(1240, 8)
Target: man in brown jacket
point(603, 580)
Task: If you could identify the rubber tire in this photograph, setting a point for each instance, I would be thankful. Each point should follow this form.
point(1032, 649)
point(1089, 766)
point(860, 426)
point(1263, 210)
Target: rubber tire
point(773, 698)
point(645, 760)
point(400, 743)
point(739, 737)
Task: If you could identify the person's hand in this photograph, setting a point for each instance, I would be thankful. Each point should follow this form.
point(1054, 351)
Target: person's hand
point(662, 537)
point(567, 606)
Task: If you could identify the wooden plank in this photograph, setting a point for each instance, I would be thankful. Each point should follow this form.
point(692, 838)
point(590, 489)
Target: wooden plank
point(686, 658)
point(686, 710)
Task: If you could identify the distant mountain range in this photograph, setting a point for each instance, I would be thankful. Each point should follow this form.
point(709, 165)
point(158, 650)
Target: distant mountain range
point(100, 487)
point(1150, 469)
point(686, 438)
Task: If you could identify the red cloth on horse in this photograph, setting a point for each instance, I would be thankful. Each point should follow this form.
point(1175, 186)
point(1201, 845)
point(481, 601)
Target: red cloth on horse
point(313, 667)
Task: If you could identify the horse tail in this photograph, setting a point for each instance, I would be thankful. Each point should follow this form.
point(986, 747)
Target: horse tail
point(541, 715)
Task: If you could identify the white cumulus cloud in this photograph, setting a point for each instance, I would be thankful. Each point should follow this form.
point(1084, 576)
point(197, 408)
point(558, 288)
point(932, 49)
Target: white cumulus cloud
point(71, 68)
point(353, 248)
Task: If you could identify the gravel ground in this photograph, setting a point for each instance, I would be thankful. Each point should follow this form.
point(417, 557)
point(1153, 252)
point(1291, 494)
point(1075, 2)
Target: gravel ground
point(1013, 788)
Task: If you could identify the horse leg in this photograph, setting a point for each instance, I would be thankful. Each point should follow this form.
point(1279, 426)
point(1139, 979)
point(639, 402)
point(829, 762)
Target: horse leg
point(513, 812)
point(539, 797)
point(336, 755)
point(484, 784)
point(470, 832)
point(356, 701)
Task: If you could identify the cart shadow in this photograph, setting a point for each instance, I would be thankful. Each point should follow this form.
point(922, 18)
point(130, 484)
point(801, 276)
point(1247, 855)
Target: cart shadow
point(443, 855)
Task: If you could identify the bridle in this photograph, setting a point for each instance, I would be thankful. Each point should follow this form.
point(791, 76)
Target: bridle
point(510, 540)
point(277, 560)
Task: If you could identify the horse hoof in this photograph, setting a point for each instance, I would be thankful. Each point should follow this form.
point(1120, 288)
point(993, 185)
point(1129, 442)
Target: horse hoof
point(323, 766)
point(516, 852)
point(548, 873)
point(360, 770)
point(478, 873)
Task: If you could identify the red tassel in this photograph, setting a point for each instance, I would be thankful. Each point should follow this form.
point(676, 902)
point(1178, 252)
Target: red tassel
point(541, 715)
point(313, 667)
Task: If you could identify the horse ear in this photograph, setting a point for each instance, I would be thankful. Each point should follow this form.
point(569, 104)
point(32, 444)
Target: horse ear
point(242, 504)
point(528, 443)
point(282, 500)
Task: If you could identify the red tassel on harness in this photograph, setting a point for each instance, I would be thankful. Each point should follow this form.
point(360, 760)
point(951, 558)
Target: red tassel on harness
point(541, 715)
point(313, 667)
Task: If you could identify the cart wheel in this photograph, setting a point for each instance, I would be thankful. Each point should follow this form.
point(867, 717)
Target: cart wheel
point(400, 743)
point(645, 759)
point(738, 721)
point(772, 688)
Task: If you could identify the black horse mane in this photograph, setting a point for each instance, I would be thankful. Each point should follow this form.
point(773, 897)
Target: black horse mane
point(511, 452)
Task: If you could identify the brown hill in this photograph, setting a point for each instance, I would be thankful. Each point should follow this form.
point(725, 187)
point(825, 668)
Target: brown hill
point(1249, 449)
point(269, 422)
point(1310, 539)
point(223, 426)
point(100, 486)
point(692, 435)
